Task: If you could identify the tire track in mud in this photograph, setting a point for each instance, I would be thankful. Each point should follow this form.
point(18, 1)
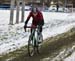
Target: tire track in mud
point(51, 47)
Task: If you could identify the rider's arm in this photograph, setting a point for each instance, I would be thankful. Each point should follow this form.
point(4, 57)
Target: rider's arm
point(30, 14)
point(25, 25)
point(42, 19)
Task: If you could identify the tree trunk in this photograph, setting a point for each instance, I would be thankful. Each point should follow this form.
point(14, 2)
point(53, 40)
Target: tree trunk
point(12, 12)
point(23, 6)
point(17, 11)
point(65, 3)
point(48, 3)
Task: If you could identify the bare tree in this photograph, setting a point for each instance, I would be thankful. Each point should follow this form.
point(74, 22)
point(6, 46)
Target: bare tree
point(11, 12)
point(17, 11)
point(48, 2)
point(23, 5)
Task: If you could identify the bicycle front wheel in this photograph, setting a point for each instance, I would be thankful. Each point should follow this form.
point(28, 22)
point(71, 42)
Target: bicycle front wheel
point(30, 47)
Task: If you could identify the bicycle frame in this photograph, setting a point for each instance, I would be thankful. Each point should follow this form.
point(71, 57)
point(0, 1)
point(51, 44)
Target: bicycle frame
point(33, 40)
point(32, 35)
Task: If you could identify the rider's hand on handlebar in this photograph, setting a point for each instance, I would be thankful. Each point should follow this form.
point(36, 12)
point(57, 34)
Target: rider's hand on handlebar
point(25, 28)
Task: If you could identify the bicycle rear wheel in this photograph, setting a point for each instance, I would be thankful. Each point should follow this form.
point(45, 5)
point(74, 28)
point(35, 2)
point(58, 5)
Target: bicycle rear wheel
point(30, 47)
point(39, 45)
point(41, 37)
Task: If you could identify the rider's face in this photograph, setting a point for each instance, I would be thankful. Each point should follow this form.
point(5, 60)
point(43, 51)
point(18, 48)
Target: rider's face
point(34, 10)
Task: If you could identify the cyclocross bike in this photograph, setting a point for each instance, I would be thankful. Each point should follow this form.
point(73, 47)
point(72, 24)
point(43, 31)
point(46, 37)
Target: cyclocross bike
point(34, 38)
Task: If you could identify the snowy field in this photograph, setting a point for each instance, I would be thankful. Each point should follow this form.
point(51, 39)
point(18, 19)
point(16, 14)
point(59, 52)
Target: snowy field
point(13, 37)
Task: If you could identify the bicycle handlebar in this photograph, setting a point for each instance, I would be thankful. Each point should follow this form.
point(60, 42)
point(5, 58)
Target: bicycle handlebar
point(31, 27)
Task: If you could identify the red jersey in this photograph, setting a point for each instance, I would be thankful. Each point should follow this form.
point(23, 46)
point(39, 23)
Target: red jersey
point(36, 17)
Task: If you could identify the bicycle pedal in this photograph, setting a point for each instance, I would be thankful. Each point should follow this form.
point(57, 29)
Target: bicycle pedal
point(39, 42)
point(35, 45)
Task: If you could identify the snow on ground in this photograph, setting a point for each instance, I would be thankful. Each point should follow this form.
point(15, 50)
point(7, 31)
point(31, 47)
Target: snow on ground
point(13, 37)
point(67, 54)
point(71, 58)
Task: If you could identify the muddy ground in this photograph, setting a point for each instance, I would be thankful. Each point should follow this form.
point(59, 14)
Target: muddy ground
point(51, 47)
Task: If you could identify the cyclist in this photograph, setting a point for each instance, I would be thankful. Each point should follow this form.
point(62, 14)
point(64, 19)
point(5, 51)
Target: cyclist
point(37, 17)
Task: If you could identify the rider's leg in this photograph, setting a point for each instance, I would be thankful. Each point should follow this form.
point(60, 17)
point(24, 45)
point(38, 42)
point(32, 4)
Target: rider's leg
point(32, 33)
point(41, 30)
point(40, 35)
